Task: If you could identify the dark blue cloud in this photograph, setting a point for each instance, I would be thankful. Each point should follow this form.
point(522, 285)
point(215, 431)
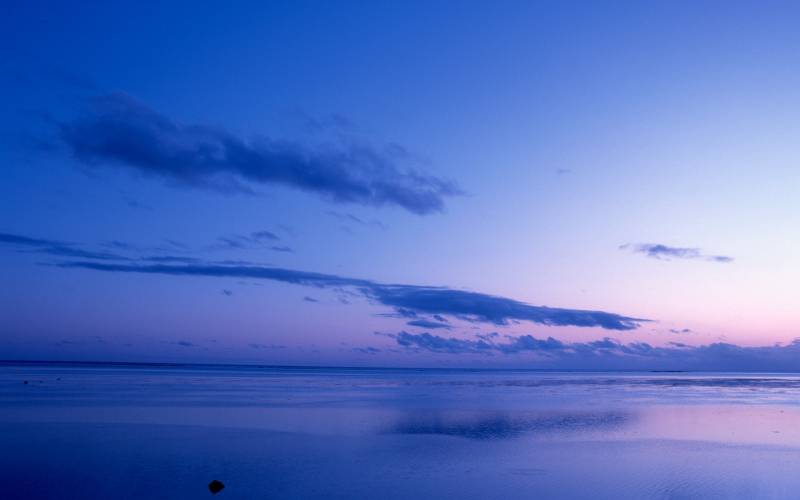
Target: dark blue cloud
point(435, 343)
point(366, 350)
point(407, 300)
point(57, 248)
point(612, 354)
point(264, 235)
point(135, 252)
point(121, 131)
point(236, 242)
point(425, 323)
point(167, 259)
point(490, 343)
point(350, 218)
point(481, 307)
point(254, 240)
point(483, 344)
point(243, 243)
point(659, 251)
point(228, 271)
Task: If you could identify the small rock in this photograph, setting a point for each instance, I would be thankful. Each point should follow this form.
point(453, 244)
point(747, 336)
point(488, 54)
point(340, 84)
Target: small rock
point(215, 487)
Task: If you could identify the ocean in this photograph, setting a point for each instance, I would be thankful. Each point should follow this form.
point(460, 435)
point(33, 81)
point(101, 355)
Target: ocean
point(118, 431)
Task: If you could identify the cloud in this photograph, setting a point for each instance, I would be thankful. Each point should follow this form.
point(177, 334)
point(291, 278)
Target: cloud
point(121, 131)
point(170, 259)
point(282, 248)
point(256, 240)
point(264, 235)
point(133, 203)
point(659, 251)
point(348, 217)
point(81, 340)
point(237, 242)
point(480, 307)
point(366, 350)
point(309, 299)
point(267, 346)
point(408, 300)
point(680, 330)
point(227, 292)
point(52, 247)
point(424, 323)
point(487, 344)
point(185, 343)
point(612, 354)
point(72, 250)
point(435, 343)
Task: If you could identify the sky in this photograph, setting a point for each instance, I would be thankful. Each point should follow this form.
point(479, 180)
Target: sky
point(478, 184)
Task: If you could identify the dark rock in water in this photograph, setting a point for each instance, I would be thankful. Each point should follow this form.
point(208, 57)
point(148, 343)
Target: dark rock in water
point(26, 382)
point(215, 486)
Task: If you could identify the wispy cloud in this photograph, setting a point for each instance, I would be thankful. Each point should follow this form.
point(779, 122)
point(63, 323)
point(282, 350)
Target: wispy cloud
point(423, 306)
point(264, 235)
point(408, 299)
point(170, 259)
point(281, 248)
point(366, 350)
point(267, 346)
point(352, 219)
point(128, 252)
point(56, 248)
point(659, 251)
point(425, 323)
point(254, 240)
point(121, 131)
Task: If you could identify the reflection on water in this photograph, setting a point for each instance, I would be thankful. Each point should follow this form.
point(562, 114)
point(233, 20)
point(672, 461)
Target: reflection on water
point(506, 425)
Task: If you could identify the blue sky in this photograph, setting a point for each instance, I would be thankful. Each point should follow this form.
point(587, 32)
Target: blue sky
point(632, 159)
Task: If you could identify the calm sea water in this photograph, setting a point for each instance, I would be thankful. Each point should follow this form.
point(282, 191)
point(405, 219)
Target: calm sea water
point(144, 431)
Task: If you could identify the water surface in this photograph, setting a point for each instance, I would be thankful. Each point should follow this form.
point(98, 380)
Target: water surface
point(165, 431)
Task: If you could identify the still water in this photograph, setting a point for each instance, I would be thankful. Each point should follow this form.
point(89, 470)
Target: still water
point(158, 431)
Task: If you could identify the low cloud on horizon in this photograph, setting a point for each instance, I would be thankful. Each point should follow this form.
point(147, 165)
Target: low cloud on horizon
point(608, 353)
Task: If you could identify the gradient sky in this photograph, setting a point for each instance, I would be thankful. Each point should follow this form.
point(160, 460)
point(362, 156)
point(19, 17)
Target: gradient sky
point(171, 173)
